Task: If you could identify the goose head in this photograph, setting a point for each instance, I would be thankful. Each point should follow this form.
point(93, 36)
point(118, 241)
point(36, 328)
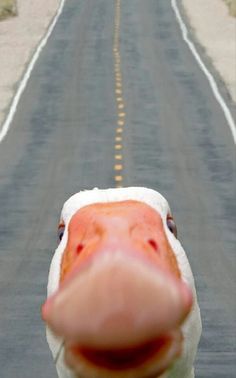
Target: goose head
point(118, 295)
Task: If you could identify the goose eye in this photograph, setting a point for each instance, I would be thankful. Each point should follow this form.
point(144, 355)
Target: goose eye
point(171, 225)
point(61, 230)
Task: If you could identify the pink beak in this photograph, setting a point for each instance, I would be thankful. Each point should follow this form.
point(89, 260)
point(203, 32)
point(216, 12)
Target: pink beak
point(123, 294)
point(117, 302)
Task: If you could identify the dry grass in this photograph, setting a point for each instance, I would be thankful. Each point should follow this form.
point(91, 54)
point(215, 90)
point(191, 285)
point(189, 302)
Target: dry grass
point(8, 8)
point(232, 7)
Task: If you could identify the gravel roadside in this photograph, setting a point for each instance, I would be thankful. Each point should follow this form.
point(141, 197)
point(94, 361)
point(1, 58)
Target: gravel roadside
point(215, 30)
point(19, 37)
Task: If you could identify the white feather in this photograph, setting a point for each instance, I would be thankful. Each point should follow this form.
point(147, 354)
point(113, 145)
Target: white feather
point(183, 368)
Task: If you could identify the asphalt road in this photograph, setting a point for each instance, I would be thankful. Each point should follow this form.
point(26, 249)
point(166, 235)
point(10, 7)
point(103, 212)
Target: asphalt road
point(175, 140)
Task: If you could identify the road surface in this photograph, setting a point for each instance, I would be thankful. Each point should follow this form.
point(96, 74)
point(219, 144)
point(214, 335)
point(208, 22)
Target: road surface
point(64, 139)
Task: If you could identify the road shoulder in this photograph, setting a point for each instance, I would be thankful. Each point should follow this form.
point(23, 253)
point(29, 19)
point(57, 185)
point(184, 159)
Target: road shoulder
point(19, 37)
point(215, 30)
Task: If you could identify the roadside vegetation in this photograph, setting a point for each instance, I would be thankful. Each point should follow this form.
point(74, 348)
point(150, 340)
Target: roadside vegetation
point(8, 8)
point(232, 7)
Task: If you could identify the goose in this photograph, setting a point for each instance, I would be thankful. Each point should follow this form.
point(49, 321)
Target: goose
point(121, 300)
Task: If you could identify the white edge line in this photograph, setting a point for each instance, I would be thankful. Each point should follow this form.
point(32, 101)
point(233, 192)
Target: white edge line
point(24, 81)
point(214, 87)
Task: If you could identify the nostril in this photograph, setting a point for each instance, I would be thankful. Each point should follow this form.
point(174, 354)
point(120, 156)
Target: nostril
point(79, 248)
point(153, 244)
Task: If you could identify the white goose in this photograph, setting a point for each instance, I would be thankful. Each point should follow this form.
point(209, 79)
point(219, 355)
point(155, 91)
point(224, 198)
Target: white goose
point(121, 295)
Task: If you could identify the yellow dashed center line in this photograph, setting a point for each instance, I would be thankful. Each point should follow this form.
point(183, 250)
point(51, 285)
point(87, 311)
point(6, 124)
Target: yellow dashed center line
point(118, 139)
point(118, 91)
point(119, 179)
point(118, 167)
point(121, 115)
point(118, 146)
point(120, 122)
